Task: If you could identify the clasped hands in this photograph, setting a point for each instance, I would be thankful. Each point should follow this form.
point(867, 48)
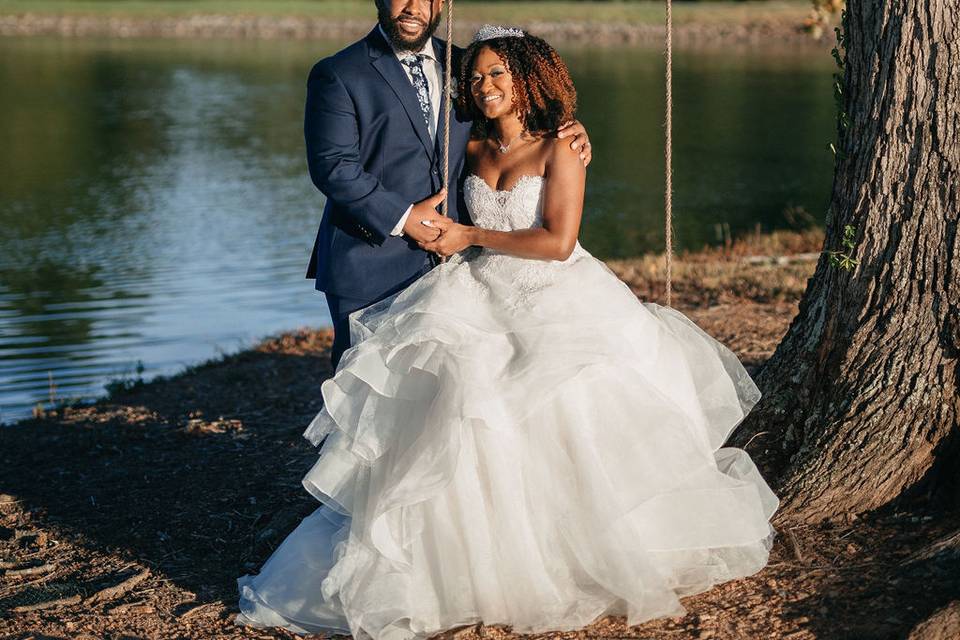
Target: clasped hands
point(433, 232)
point(440, 235)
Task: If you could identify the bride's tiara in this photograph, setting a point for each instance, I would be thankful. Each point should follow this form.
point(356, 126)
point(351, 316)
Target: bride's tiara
point(489, 32)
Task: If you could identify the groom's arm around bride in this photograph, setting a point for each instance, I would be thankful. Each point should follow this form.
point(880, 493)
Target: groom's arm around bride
point(374, 148)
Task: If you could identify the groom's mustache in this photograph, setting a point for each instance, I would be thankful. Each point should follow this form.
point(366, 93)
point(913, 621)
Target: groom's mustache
point(405, 18)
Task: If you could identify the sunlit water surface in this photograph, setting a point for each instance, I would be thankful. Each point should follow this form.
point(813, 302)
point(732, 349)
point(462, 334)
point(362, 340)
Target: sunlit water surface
point(155, 208)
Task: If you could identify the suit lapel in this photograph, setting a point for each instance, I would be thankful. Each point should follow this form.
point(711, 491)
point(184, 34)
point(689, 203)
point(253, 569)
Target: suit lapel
point(387, 65)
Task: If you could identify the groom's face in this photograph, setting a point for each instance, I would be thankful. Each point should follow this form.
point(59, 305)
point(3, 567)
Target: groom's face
point(409, 23)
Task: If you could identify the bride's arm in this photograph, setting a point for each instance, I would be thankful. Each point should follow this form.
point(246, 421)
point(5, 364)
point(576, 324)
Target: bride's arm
point(565, 178)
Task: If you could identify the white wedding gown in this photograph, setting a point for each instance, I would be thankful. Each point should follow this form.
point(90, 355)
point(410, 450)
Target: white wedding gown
point(518, 442)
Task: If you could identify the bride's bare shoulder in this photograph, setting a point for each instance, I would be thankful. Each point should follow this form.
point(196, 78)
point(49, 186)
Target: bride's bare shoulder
point(558, 152)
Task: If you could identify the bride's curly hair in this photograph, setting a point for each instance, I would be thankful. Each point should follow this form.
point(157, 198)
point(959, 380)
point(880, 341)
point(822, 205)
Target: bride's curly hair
point(543, 93)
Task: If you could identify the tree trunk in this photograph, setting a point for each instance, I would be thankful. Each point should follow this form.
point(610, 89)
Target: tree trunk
point(861, 402)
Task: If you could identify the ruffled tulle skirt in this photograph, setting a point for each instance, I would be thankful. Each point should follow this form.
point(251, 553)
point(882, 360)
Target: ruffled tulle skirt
point(521, 443)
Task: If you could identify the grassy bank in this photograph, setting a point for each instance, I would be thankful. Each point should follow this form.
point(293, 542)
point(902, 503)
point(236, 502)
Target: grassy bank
point(612, 12)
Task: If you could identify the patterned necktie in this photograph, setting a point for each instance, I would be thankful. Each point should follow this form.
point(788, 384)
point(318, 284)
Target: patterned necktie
point(415, 63)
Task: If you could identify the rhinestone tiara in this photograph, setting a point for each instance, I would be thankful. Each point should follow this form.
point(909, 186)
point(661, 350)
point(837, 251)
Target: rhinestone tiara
point(490, 31)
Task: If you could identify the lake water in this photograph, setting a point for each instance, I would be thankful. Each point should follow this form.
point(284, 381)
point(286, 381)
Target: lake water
point(155, 208)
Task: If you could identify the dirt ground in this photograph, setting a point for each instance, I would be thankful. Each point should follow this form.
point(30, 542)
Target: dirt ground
point(133, 517)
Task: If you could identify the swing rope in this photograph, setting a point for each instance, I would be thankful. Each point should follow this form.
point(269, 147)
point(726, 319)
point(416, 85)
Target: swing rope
point(448, 73)
point(668, 158)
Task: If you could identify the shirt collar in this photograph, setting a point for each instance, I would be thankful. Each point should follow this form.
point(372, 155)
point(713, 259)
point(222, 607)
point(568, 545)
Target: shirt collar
point(427, 50)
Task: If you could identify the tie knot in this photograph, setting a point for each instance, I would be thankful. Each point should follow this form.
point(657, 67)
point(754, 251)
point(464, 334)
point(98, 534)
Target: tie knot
point(413, 60)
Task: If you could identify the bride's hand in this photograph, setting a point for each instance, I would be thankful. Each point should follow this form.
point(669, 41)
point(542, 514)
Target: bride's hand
point(454, 238)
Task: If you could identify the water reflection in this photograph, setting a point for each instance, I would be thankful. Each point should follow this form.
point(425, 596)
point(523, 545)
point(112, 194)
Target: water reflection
point(155, 207)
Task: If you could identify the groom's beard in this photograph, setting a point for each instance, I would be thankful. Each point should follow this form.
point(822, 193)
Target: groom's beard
point(396, 37)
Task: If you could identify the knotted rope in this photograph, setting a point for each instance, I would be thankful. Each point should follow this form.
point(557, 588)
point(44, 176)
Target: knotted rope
point(668, 158)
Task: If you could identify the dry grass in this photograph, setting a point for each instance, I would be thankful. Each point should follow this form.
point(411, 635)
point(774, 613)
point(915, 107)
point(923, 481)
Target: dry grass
point(767, 268)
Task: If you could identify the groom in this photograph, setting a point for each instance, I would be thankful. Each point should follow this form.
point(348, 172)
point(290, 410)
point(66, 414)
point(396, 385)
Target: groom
point(374, 138)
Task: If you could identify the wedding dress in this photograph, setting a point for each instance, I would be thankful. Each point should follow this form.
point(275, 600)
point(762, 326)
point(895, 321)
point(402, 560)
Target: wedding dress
point(518, 442)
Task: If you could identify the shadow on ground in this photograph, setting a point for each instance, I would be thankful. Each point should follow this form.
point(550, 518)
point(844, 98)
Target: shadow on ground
point(196, 477)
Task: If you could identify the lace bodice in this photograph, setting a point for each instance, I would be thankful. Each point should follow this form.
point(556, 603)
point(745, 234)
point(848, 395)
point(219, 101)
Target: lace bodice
point(520, 207)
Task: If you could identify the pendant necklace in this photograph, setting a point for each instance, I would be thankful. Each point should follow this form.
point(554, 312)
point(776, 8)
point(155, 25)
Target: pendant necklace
point(506, 148)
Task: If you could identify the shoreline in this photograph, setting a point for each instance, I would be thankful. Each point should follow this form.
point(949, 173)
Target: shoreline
point(767, 272)
point(760, 32)
point(764, 265)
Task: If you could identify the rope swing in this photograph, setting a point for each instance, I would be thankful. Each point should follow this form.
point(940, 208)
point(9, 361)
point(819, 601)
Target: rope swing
point(668, 158)
point(667, 151)
point(448, 102)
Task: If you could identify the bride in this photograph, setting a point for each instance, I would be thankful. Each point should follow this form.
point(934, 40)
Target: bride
point(516, 439)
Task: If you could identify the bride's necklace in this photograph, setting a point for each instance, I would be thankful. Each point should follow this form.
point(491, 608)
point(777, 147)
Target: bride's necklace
point(506, 147)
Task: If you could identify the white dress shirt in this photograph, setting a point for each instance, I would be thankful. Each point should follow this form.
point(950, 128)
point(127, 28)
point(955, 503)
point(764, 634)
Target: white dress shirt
point(434, 74)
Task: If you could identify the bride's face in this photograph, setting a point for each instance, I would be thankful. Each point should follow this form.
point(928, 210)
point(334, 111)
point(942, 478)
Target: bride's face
point(492, 85)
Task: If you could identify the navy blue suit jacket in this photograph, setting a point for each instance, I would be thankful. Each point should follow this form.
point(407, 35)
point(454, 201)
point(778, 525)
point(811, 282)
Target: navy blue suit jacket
point(369, 151)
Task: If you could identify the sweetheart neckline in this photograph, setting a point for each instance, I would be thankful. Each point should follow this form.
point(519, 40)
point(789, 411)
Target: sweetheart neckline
point(513, 188)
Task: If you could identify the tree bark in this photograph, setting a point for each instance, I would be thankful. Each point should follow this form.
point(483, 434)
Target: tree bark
point(861, 402)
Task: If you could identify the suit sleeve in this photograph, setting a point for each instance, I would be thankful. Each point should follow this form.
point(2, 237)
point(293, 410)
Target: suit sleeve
point(333, 156)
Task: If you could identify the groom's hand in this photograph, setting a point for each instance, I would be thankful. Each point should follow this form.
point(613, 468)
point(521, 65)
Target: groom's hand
point(454, 239)
point(580, 142)
point(423, 212)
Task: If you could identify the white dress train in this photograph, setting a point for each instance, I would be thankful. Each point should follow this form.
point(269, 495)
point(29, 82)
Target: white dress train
point(518, 442)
